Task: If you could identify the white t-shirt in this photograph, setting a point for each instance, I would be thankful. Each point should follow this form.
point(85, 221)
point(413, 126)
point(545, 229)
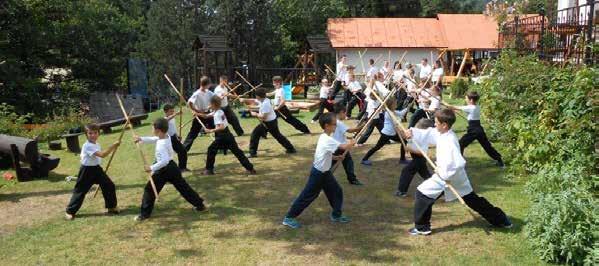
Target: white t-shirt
point(473, 111)
point(421, 138)
point(425, 71)
point(354, 86)
point(201, 99)
point(172, 127)
point(371, 103)
point(266, 110)
point(371, 71)
point(324, 92)
point(341, 72)
point(388, 125)
point(398, 74)
point(220, 118)
point(87, 154)
point(163, 153)
point(385, 71)
point(435, 103)
point(323, 157)
point(221, 91)
point(278, 97)
point(437, 75)
point(339, 134)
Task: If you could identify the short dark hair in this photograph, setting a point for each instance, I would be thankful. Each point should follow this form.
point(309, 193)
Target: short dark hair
point(261, 92)
point(277, 79)
point(204, 81)
point(326, 119)
point(161, 124)
point(425, 60)
point(224, 77)
point(215, 100)
point(425, 123)
point(343, 55)
point(473, 95)
point(445, 116)
point(167, 107)
point(339, 107)
point(371, 61)
point(92, 127)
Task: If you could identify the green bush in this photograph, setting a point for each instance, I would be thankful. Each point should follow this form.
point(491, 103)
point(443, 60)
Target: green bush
point(11, 123)
point(546, 115)
point(458, 88)
point(59, 125)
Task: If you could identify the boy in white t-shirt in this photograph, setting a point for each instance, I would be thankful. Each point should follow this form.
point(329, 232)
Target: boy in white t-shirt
point(451, 169)
point(388, 133)
point(357, 97)
point(339, 136)
point(325, 102)
point(169, 111)
point(266, 114)
point(321, 177)
point(281, 109)
point(475, 131)
point(199, 103)
point(223, 139)
point(222, 91)
point(91, 173)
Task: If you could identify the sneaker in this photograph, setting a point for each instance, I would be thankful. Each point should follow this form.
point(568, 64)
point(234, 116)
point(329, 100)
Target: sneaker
point(291, 151)
point(69, 217)
point(507, 224)
point(200, 208)
point(500, 164)
point(416, 232)
point(341, 219)
point(401, 194)
point(251, 172)
point(366, 162)
point(112, 211)
point(291, 222)
point(140, 218)
point(208, 172)
point(356, 182)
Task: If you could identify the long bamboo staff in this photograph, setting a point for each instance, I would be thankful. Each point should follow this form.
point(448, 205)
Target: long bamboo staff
point(181, 103)
point(253, 89)
point(181, 96)
point(141, 152)
point(428, 159)
point(113, 152)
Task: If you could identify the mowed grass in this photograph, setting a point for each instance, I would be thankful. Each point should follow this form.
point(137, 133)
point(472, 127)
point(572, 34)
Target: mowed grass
point(243, 223)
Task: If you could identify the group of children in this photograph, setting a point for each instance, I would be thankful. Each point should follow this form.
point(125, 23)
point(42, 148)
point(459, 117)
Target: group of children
point(212, 115)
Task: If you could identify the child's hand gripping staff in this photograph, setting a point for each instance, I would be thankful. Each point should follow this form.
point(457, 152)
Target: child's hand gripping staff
point(408, 135)
point(141, 152)
point(195, 115)
point(114, 150)
point(181, 101)
point(364, 127)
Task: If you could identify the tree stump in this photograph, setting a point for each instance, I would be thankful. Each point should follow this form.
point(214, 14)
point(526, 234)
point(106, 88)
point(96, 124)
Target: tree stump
point(55, 145)
point(73, 142)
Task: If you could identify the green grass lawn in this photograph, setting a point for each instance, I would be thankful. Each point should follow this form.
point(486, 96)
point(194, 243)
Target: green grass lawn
point(243, 224)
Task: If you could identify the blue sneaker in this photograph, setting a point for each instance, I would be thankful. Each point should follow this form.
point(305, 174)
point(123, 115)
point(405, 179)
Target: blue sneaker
point(341, 219)
point(291, 222)
point(366, 162)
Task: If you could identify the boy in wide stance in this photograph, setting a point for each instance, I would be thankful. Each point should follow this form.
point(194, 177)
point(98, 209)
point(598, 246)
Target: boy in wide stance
point(450, 170)
point(321, 177)
point(164, 170)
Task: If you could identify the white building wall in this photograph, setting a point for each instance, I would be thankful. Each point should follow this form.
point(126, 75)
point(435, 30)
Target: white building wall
point(414, 56)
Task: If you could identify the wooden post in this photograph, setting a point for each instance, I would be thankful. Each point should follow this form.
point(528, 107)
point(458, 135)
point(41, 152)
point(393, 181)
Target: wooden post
point(466, 53)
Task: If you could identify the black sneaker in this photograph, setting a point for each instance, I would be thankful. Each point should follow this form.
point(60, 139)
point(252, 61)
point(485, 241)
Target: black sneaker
point(140, 218)
point(290, 151)
point(251, 172)
point(401, 194)
point(500, 164)
point(507, 223)
point(200, 208)
point(112, 211)
point(356, 182)
point(416, 232)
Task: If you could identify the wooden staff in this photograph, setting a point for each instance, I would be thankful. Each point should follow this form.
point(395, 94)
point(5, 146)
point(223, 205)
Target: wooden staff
point(377, 59)
point(253, 88)
point(362, 60)
point(389, 57)
point(181, 96)
point(364, 128)
point(388, 77)
point(141, 152)
point(428, 159)
point(113, 152)
point(463, 64)
point(182, 103)
point(331, 70)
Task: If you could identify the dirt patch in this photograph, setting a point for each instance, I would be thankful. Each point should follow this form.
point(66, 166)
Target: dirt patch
point(18, 212)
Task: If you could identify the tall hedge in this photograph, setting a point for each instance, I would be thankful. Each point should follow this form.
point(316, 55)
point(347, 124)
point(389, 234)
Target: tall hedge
point(545, 115)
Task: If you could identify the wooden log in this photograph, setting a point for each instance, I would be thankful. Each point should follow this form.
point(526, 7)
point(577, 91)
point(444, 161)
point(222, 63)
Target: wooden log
point(28, 151)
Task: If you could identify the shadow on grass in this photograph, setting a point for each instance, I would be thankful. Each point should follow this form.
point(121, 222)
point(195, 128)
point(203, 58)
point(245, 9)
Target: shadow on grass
point(16, 197)
point(483, 225)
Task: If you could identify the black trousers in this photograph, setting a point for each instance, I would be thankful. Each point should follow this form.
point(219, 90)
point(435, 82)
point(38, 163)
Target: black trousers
point(89, 175)
point(418, 114)
point(337, 85)
point(423, 210)
point(171, 174)
point(225, 140)
point(316, 182)
point(476, 132)
point(290, 119)
point(416, 165)
point(233, 120)
point(348, 165)
point(378, 123)
point(194, 131)
point(356, 99)
point(180, 150)
point(271, 127)
point(324, 104)
point(383, 140)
